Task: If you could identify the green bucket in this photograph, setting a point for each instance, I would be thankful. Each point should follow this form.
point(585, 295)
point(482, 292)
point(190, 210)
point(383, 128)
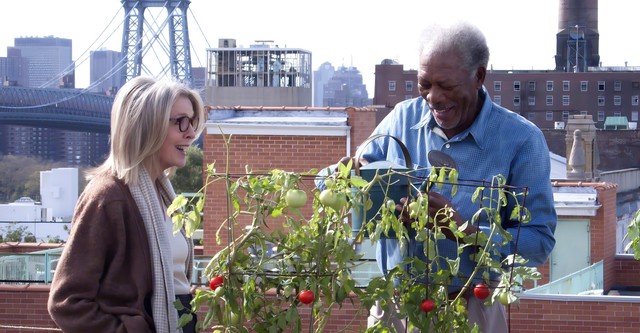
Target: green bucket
point(392, 186)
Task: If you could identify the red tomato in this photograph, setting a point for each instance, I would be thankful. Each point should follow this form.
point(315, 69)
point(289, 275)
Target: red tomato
point(306, 296)
point(481, 291)
point(216, 282)
point(427, 305)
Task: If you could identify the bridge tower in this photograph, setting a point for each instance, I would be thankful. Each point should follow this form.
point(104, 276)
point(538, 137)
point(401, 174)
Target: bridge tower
point(133, 49)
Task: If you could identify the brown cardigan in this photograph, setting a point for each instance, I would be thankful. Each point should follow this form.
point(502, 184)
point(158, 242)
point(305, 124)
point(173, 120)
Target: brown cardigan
point(103, 281)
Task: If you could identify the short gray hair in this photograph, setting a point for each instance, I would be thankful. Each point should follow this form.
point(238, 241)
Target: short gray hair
point(461, 38)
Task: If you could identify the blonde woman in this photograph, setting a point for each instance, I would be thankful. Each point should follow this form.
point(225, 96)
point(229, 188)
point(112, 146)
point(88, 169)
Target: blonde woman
point(122, 267)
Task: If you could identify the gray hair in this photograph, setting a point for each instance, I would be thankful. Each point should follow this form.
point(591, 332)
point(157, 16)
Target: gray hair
point(461, 38)
point(140, 123)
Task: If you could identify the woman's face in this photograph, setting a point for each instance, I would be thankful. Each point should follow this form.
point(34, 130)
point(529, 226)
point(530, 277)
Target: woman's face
point(173, 151)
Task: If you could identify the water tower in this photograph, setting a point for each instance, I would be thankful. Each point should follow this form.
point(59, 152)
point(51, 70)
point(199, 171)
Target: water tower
point(577, 39)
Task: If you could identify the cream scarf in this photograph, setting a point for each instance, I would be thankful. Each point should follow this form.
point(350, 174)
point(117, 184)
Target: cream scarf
point(165, 316)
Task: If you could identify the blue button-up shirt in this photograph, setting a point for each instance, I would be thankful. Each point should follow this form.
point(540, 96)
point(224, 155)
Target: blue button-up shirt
point(499, 142)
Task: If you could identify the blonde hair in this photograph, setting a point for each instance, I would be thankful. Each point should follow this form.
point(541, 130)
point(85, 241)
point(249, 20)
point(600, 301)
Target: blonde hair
point(140, 122)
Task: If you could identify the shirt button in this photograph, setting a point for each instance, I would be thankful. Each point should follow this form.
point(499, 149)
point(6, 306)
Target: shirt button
point(447, 146)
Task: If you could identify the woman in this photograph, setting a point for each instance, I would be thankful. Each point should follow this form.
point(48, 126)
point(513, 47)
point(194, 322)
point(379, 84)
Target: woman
point(122, 267)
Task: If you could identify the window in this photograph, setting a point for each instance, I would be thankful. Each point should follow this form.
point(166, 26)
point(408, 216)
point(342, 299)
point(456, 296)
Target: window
point(635, 84)
point(584, 113)
point(584, 85)
point(617, 85)
point(497, 99)
point(548, 115)
point(617, 100)
point(516, 85)
point(549, 100)
point(549, 85)
point(600, 100)
point(600, 85)
point(516, 100)
point(566, 100)
point(408, 85)
point(408, 96)
point(497, 86)
point(532, 85)
point(531, 116)
point(600, 115)
point(392, 85)
point(634, 115)
point(532, 100)
point(565, 115)
point(617, 114)
point(634, 100)
point(566, 85)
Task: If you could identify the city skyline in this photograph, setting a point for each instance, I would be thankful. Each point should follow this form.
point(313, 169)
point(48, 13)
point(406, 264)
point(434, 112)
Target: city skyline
point(342, 33)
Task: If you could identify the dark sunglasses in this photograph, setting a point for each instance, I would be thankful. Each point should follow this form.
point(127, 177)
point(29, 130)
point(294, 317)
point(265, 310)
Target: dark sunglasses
point(184, 122)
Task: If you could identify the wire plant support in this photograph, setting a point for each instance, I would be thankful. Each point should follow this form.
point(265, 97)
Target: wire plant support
point(284, 235)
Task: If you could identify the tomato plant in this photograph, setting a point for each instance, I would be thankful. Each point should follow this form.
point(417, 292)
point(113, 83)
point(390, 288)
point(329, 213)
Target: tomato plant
point(481, 291)
point(274, 250)
point(306, 296)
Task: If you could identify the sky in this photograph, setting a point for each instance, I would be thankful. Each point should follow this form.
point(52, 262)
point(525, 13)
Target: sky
point(358, 33)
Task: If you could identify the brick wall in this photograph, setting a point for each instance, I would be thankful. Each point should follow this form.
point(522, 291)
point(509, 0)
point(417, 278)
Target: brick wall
point(265, 152)
point(627, 272)
point(603, 233)
point(572, 315)
point(23, 310)
point(24, 307)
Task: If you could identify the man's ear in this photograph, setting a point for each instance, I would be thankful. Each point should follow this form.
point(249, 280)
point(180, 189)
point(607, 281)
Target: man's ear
point(481, 75)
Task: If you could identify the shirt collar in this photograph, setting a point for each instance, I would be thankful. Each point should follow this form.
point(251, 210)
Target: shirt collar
point(477, 128)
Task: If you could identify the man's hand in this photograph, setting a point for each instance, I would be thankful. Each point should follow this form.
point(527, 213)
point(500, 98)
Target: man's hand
point(436, 204)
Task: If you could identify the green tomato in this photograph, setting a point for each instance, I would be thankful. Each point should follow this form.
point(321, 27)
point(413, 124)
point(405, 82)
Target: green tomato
point(335, 200)
point(414, 209)
point(329, 182)
point(327, 197)
point(504, 298)
point(296, 198)
point(341, 201)
point(390, 204)
point(218, 292)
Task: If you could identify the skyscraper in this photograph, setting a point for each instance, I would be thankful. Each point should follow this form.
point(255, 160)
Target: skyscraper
point(49, 62)
point(107, 71)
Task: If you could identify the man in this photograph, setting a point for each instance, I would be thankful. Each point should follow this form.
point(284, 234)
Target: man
point(455, 115)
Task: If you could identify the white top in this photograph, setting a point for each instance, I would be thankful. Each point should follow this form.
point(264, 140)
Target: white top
point(180, 251)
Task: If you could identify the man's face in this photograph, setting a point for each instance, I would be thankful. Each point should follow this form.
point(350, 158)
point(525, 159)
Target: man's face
point(450, 90)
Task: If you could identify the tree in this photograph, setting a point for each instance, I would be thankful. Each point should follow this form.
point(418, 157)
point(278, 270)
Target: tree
point(19, 234)
point(20, 176)
point(188, 179)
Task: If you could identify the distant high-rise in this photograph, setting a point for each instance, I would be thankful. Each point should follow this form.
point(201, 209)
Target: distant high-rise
point(107, 71)
point(49, 62)
point(339, 87)
point(345, 88)
point(320, 78)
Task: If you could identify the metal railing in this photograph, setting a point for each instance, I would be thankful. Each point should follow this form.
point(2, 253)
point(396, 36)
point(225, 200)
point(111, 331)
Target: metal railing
point(587, 281)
